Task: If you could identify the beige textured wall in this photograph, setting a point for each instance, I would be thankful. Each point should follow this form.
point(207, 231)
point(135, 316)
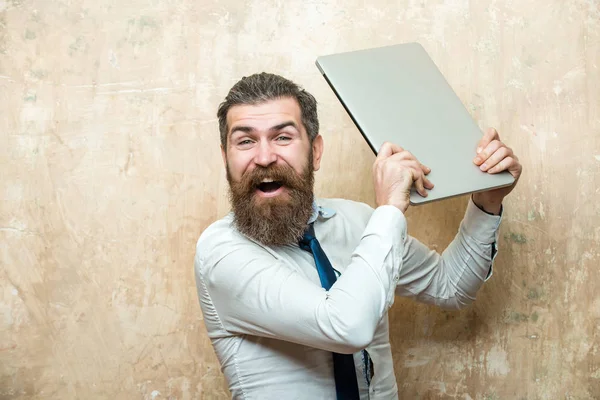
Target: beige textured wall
point(110, 170)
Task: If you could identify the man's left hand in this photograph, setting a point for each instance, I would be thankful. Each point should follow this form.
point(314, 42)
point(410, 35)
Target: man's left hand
point(493, 157)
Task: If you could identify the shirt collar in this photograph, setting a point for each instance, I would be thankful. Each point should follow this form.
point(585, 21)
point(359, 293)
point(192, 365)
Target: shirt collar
point(319, 211)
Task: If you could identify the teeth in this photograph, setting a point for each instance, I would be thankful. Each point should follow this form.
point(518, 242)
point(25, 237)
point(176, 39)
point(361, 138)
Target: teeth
point(267, 180)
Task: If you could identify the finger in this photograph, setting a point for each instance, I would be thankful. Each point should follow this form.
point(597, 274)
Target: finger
point(489, 135)
point(418, 169)
point(487, 152)
point(406, 155)
point(385, 151)
point(401, 159)
point(427, 183)
point(515, 169)
point(414, 167)
point(503, 165)
point(419, 183)
point(403, 155)
point(425, 170)
point(495, 158)
point(412, 164)
point(396, 148)
point(509, 164)
point(389, 148)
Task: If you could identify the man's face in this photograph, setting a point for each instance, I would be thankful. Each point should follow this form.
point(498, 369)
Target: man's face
point(270, 162)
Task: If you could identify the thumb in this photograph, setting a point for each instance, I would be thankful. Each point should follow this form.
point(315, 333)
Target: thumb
point(388, 149)
point(385, 151)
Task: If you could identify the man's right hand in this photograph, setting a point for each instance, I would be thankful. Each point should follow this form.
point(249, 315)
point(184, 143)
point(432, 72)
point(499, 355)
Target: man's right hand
point(394, 172)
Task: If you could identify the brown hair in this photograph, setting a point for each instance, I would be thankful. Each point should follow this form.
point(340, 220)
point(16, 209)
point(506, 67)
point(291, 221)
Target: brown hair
point(262, 87)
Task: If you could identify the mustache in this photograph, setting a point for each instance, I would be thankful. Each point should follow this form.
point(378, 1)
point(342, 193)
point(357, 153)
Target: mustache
point(282, 174)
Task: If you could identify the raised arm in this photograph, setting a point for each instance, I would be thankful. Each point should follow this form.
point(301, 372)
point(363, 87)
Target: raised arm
point(452, 279)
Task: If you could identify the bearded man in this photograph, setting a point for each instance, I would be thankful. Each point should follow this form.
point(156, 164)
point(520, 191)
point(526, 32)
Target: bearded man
point(295, 290)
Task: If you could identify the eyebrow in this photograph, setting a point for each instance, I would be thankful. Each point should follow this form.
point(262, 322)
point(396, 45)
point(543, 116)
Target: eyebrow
point(278, 127)
point(285, 125)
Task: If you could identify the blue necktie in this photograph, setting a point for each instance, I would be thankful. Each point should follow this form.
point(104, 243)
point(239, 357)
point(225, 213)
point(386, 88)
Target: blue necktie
point(346, 384)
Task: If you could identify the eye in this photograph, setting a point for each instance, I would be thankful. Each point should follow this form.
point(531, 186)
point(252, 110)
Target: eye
point(245, 142)
point(283, 138)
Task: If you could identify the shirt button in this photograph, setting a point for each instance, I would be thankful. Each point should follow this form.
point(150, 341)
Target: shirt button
point(396, 278)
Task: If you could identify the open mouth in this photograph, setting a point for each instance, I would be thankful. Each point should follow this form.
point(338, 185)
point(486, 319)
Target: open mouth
point(269, 187)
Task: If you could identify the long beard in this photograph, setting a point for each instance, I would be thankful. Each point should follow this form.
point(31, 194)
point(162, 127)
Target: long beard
point(278, 220)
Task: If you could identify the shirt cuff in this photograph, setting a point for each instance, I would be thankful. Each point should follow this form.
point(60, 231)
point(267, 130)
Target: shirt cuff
point(480, 225)
point(389, 220)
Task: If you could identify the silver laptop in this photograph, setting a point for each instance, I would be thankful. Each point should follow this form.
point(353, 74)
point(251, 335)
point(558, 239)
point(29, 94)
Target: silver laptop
point(397, 94)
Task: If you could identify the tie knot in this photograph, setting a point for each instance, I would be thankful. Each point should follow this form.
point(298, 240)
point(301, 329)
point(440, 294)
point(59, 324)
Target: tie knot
point(309, 235)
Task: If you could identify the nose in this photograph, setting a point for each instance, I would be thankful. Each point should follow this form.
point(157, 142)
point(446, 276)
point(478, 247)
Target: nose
point(265, 155)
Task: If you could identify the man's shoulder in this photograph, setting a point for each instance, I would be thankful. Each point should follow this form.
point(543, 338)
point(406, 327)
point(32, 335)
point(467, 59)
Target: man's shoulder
point(218, 234)
point(346, 207)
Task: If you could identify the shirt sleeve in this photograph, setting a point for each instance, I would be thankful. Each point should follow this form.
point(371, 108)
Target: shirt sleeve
point(246, 290)
point(452, 279)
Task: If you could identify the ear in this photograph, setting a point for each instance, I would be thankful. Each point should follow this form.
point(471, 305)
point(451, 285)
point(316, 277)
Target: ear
point(317, 146)
point(224, 156)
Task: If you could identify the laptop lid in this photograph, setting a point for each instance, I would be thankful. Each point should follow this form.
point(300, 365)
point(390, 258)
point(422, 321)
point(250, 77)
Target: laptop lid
point(397, 94)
